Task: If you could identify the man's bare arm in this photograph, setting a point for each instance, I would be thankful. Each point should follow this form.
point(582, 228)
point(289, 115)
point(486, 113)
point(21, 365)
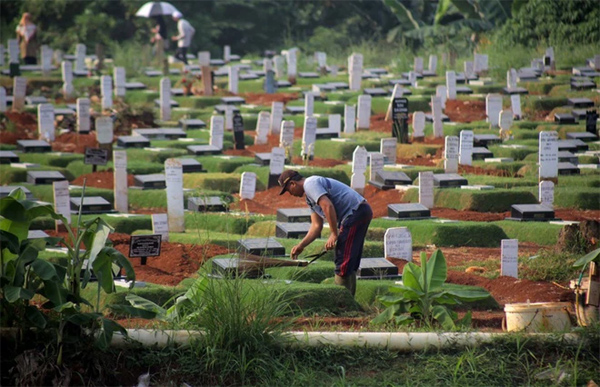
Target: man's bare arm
point(316, 226)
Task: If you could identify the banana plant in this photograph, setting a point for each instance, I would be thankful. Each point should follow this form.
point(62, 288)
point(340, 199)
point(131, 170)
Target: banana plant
point(422, 296)
point(23, 275)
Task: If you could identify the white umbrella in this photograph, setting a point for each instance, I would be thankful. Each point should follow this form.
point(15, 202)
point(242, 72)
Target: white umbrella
point(156, 8)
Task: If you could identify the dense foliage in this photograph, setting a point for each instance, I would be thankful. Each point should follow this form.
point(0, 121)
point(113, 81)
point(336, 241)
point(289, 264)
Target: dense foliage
point(553, 22)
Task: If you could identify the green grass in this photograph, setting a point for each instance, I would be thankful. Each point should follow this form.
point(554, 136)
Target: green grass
point(541, 233)
point(426, 232)
point(496, 200)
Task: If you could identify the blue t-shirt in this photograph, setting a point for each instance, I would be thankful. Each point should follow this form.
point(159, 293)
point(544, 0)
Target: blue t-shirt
point(345, 200)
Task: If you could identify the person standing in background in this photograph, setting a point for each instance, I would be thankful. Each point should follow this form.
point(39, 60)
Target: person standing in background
point(27, 37)
point(184, 39)
point(159, 38)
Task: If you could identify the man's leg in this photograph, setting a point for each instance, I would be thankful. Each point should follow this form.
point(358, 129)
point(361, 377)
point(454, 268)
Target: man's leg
point(348, 250)
point(184, 55)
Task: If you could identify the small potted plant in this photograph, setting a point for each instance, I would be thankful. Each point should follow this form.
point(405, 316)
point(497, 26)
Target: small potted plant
point(187, 82)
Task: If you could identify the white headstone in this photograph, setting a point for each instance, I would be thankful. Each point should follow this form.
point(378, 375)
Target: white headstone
point(160, 225)
point(286, 137)
point(67, 77)
point(46, 122)
point(292, 63)
point(19, 91)
point(62, 200)
point(233, 79)
point(277, 163)
point(418, 122)
point(436, 111)
point(364, 112)
point(388, 148)
point(204, 58)
point(355, 69)
point(506, 121)
point(511, 79)
point(267, 65)
point(426, 189)
point(120, 80)
point(2, 99)
point(248, 185)
point(120, 180)
point(451, 154)
point(360, 158)
point(546, 193)
point(226, 53)
point(279, 63)
point(106, 89)
point(175, 202)
point(465, 155)
point(165, 99)
point(80, 58)
point(433, 63)
point(104, 130)
point(412, 78)
point(468, 69)
point(480, 63)
point(509, 250)
point(46, 55)
point(83, 115)
point(375, 164)
point(13, 51)
point(397, 243)
point(493, 106)
point(550, 53)
point(335, 123)
point(309, 136)
point(321, 59)
point(396, 93)
point(349, 118)
point(418, 65)
point(333, 71)
point(451, 84)
point(276, 117)
point(597, 62)
point(442, 92)
point(262, 128)
point(229, 111)
point(309, 104)
point(1, 55)
point(217, 128)
point(548, 155)
point(515, 104)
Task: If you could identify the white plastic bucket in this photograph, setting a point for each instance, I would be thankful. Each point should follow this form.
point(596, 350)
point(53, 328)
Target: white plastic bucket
point(538, 316)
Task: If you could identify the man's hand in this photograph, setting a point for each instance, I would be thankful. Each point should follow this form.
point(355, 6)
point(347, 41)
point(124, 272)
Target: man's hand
point(296, 250)
point(174, 38)
point(331, 241)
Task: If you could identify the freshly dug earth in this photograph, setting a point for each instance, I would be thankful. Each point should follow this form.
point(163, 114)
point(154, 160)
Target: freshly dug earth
point(102, 179)
point(465, 111)
point(267, 99)
point(74, 142)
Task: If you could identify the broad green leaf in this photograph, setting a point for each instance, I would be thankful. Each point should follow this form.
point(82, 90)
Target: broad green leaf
point(16, 293)
point(465, 321)
point(83, 319)
point(411, 275)
point(466, 8)
point(404, 15)
point(18, 194)
point(107, 328)
point(122, 261)
point(35, 317)
point(591, 256)
point(468, 295)
point(442, 315)
point(436, 270)
point(55, 293)
point(12, 209)
point(99, 237)
point(67, 308)
point(444, 298)
point(132, 311)
point(44, 269)
point(142, 303)
point(403, 319)
point(388, 300)
point(102, 266)
point(9, 241)
point(442, 9)
point(387, 315)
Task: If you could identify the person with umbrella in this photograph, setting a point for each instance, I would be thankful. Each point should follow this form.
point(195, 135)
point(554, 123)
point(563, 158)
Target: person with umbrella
point(184, 39)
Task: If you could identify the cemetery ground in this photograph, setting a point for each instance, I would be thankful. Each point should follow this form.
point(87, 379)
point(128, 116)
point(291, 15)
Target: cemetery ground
point(244, 317)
